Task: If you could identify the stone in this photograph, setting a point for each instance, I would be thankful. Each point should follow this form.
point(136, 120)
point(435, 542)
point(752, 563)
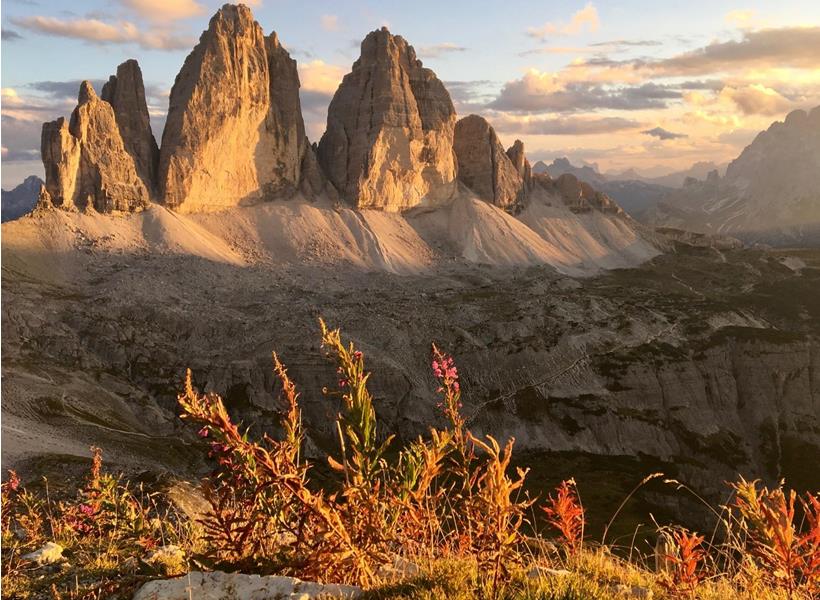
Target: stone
point(522, 165)
point(49, 554)
point(483, 165)
point(125, 92)
point(85, 160)
point(234, 133)
point(389, 137)
point(542, 572)
point(238, 586)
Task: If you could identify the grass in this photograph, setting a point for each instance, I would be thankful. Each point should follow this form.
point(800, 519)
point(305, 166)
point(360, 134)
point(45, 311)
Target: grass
point(471, 519)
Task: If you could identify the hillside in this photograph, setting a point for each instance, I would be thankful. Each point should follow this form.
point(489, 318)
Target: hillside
point(769, 193)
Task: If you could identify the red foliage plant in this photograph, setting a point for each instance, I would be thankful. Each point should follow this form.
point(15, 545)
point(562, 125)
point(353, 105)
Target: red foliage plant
point(566, 514)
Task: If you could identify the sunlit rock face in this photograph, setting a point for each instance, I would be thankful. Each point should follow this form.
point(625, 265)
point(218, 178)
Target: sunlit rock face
point(234, 133)
point(389, 137)
point(125, 92)
point(86, 161)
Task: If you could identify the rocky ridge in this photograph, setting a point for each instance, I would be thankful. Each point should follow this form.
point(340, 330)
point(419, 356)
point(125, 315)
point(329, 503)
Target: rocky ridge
point(21, 199)
point(769, 193)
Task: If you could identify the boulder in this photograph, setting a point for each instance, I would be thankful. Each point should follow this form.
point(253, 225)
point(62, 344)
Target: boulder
point(223, 586)
point(234, 133)
point(49, 554)
point(86, 162)
point(389, 137)
point(125, 93)
point(484, 166)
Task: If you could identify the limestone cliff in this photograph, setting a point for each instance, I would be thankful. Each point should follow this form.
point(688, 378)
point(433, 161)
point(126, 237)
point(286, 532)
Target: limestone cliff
point(389, 137)
point(125, 92)
point(483, 165)
point(86, 161)
point(234, 133)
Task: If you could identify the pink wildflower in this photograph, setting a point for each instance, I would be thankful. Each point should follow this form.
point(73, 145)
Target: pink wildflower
point(203, 433)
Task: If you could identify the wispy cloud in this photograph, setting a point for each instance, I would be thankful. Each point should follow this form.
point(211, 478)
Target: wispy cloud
point(9, 35)
point(541, 92)
point(100, 32)
point(584, 19)
point(563, 125)
point(162, 11)
point(663, 134)
point(437, 50)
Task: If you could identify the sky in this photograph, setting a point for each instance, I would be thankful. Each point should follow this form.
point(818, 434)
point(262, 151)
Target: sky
point(654, 86)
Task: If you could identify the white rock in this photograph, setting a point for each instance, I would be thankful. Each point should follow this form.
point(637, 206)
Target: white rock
point(49, 554)
point(238, 586)
point(541, 572)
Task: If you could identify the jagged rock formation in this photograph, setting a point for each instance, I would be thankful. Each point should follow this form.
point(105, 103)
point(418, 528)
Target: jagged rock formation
point(769, 193)
point(86, 162)
point(579, 196)
point(389, 137)
point(22, 199)
point(125, 92)
point(522, 165)
point(483, 165)
point(234, 132)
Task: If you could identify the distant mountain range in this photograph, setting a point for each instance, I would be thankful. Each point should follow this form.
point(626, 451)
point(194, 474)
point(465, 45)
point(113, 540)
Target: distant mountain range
point(770, 193)
point(22, 199)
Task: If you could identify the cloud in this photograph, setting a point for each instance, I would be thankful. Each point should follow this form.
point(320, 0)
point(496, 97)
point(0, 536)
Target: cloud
point(540, 92)
point(63, 89)
point(740, 18)
point(319, 81)
point(9, 35)
point(437, 50)
point(162, 11)
point(329, 22)
point(562, 125)
point(21, 138)
point(756, 99)
point(100, 32)
point(784, 47)
point(319, 76)
point(586, 18)
point(664, 134)
point(626, 43)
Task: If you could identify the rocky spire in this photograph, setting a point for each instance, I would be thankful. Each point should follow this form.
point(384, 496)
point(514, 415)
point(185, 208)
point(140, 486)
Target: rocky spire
point(483, 166)
point(389, 137)
point(125, 92)
point(234, 132)
point(520, 162)
point(86, 162)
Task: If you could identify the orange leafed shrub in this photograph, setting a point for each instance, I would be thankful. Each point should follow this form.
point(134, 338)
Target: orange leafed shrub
point(565, 513)
point(790, 557)
point(686, 561)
